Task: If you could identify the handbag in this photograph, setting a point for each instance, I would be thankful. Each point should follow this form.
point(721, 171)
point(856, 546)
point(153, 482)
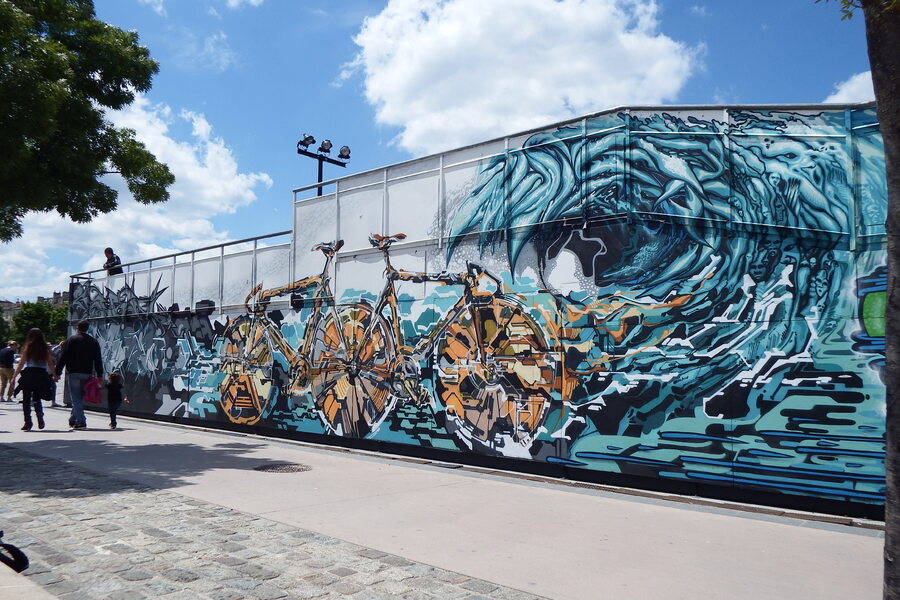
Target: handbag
point(91, 393)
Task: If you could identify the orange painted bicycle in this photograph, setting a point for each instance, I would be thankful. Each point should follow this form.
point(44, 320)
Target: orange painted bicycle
point(489, 364)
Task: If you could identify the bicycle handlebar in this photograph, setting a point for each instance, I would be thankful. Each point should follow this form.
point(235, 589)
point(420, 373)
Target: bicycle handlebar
point(328, 248)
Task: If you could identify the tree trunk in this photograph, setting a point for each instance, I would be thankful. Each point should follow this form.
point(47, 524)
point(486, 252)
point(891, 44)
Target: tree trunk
point(883, 37)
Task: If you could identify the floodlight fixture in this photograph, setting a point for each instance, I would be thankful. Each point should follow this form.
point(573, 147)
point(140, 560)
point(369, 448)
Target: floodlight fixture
point(320, 155)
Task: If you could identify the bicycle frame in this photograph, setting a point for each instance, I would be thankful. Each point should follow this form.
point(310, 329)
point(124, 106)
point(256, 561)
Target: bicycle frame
point(261, 335)
point(471, 297)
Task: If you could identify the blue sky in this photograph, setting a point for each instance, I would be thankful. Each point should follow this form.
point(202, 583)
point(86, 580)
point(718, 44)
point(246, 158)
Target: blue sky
point(241, 80)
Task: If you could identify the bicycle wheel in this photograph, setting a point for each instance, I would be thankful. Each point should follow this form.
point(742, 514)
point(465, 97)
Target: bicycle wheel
point(246, 360)
point(351, 370)
point(495, 377)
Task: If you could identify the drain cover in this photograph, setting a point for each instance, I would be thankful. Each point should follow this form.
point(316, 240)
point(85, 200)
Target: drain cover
point(282, 468)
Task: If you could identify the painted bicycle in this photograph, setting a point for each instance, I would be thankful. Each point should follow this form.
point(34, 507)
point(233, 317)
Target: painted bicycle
point(493, 372)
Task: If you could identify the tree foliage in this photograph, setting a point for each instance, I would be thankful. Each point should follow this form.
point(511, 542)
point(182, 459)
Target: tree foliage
point(60, 69)
point(31, 314)
point(5, 331)
point(52, 320)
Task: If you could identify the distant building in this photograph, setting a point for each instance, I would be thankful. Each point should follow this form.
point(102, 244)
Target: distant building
point(9, 309)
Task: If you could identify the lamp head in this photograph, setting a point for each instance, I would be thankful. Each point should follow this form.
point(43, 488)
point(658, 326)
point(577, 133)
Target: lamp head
point(306, 141)
point(325, 146)
point(344, 153)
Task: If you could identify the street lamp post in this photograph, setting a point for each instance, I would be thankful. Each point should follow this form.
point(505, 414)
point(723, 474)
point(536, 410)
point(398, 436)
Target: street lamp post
point(321, 154)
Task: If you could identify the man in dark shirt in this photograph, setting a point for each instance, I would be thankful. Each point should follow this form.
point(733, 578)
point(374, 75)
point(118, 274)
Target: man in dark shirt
point(113, 262)
point(80, 357)
point(7, 362)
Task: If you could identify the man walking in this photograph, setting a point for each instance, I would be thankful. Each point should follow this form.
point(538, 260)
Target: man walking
point(7, 362)
point(81, 357)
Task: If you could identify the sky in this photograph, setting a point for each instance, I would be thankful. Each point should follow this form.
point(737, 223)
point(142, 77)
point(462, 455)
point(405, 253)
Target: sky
point(240, 82)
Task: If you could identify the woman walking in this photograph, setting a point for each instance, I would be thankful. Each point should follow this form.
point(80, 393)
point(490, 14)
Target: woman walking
point(35, 367)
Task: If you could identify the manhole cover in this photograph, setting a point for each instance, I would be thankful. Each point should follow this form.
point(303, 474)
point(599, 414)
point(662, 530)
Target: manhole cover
point(282, 468)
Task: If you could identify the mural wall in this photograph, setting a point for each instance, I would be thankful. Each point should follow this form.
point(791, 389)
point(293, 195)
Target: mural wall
point(687, 295)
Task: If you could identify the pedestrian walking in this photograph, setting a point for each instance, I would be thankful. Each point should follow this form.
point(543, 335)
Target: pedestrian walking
point(7, 363)
point(113, 396)
point(81, 359)
point(33, 375)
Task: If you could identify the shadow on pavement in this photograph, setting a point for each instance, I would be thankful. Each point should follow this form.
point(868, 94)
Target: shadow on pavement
point(134, 467)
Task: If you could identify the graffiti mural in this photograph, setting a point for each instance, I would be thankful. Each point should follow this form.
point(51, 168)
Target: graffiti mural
point(693, 295)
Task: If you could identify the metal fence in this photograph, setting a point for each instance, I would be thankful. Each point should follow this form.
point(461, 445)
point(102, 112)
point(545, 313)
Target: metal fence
point(217, 276)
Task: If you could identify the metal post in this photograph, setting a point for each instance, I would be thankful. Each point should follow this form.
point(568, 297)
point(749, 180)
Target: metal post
point(319, 180)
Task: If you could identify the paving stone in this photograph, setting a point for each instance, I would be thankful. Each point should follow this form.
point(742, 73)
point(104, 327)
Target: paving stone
point(243, 583)
point(370, 553)
point(227, 594)
point(320, 563)
point(44, 578)
point(256, 571)
point(269, 592)
point(479, 586)
point(78, 595)
point(321, 579)
point(347, 588)
point(135, 575)
point(60, 587)
point(55, 560)
point(180, 575)
point(126, 595)
point(303, 591)
point(115, 540)
point(396, 561)
point(232, 547)
point(107, 586)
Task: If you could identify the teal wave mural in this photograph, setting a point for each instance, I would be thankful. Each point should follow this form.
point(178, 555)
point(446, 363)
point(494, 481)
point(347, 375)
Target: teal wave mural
point(684, 295)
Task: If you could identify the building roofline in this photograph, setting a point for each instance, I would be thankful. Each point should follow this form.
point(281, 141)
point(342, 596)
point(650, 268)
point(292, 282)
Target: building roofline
point(655, 107)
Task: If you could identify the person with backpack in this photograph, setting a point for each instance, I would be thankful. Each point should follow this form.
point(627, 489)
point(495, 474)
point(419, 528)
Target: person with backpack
point(33, 374)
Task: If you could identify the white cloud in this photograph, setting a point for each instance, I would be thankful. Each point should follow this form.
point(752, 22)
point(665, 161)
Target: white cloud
point(237, 3)
point(208, 183)
point(214, 53)
point(452, 72)
point(158, 6)
point(699, 10)
point(857, 88)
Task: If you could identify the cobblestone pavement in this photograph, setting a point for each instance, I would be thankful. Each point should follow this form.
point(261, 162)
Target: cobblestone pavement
point(90, 535)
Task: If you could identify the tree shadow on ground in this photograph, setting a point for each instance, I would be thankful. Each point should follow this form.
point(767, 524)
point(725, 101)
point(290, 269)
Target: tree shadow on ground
point(94, 467)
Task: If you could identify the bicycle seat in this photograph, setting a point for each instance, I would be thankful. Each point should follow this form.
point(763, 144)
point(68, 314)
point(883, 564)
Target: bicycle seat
point(383, 241)
point(328, 248)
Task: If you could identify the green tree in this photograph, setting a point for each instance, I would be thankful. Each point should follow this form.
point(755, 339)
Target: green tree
point(60, 69)
point(32, 314)
point(883, 42)
point(5, 332)
point(59, 323)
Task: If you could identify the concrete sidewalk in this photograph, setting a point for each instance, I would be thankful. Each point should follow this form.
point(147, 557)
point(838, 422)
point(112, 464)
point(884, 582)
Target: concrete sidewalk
point(459, 531)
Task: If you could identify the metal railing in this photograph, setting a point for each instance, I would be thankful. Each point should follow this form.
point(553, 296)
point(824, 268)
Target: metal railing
point(211, 277)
